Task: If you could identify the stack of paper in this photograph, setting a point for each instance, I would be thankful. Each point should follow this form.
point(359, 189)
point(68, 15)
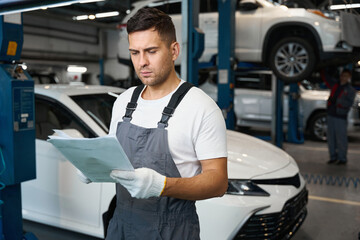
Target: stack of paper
point(94, 157)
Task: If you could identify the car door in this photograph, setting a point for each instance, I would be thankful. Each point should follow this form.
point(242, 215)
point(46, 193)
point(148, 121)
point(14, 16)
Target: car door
point(56, 196)
point(253, 100)
point(266, 99)
point(247, 100)
point(248, 43)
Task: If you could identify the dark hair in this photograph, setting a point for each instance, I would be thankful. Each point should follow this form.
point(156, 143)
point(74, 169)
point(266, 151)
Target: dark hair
point(147, 18)
point(346, 71)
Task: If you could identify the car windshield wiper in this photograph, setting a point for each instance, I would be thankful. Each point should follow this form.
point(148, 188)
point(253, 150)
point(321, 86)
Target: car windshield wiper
point(113, 94)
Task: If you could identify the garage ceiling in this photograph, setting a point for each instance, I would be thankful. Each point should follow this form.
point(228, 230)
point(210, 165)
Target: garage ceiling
point(73, 10)
point(121, 6)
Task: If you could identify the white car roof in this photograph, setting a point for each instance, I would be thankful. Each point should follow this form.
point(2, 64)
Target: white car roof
point(56, 90)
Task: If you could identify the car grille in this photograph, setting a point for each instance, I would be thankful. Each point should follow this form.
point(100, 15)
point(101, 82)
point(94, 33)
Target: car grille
point(281, 225)
point(294, 181)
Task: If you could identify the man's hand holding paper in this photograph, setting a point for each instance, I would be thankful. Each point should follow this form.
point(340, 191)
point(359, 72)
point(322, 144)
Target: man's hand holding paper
point(94, 157)
point(141, 183)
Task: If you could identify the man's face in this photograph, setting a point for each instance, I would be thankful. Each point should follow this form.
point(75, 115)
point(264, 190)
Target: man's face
point(345, 77)
point(152, 58)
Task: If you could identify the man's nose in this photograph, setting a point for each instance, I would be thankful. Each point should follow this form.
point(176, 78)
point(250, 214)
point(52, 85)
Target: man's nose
point(143, 61)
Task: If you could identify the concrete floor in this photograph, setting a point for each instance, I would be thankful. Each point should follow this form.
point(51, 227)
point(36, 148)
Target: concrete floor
point(334, 207)
point(333, 210)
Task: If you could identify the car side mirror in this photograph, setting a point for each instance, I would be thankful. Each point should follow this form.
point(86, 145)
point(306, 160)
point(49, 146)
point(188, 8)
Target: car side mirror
point(248, 5)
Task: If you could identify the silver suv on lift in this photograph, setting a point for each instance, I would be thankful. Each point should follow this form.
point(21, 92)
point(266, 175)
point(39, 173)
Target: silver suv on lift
point(292, 42)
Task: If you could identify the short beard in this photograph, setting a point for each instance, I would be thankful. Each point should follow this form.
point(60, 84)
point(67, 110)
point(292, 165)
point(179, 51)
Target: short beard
point(158, 81)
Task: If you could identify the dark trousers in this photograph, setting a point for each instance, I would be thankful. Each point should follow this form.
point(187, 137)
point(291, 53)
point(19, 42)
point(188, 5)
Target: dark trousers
point(337, 138)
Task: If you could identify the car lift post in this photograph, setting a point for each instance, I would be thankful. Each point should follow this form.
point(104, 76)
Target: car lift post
point(192, 41)
point(295, 133)
point(277, 112)
point(226, 60)
point(17, 134)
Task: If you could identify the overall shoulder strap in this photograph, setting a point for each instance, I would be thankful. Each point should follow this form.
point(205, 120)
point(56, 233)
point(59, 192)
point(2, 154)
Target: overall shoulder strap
point(131, 106)
point(173, 103)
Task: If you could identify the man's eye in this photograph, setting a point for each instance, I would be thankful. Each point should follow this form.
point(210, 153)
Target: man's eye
point(152, 51)
point(133, 53)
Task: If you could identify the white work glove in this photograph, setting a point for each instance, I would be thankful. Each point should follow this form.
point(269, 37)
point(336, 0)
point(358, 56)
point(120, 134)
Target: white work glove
point(141, 183)
point(82, 177)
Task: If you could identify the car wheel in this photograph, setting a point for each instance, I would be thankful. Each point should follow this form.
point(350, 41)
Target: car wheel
point(292, 59)
point(318, 126)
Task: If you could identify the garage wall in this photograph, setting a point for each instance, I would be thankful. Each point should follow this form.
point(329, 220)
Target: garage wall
point(52, 39)
point(52, 44)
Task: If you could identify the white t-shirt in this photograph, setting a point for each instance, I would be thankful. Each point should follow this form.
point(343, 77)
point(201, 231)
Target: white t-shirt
point(196, 131)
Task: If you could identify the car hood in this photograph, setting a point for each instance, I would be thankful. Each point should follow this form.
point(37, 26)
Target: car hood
point(250, 157)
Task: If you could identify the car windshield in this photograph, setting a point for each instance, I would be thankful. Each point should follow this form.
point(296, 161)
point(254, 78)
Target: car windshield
point(98, 107)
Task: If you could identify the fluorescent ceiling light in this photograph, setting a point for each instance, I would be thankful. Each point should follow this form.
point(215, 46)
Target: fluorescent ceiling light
point(39, 7)
point(76, 69)
point(107, 14)
point(82, 17)
point(59, 5)
point(53, 5)
point(344, 6)
point(97, 15)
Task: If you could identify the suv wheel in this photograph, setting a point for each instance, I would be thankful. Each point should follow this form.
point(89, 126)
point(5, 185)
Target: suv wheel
point(318, 126)
point(292, 59)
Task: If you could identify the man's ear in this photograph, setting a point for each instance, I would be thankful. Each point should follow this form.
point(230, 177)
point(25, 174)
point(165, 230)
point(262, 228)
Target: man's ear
point(175, 50)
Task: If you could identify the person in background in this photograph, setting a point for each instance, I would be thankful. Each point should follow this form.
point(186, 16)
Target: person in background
point(340, 101)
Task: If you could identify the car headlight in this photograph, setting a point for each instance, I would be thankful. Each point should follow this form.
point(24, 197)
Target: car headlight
point(325, 14)
point(245, 188)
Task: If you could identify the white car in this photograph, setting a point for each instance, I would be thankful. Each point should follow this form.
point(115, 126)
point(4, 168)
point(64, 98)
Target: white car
point(291, 41)
point(266, 195)
point(253, 104)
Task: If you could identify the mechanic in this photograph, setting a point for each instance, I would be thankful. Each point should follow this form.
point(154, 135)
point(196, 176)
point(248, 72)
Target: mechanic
point(341, 99)
point(173, 134)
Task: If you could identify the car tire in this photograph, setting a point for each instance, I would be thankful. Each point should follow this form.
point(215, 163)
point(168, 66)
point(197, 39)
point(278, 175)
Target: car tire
point(292, 59)
point(318, 126)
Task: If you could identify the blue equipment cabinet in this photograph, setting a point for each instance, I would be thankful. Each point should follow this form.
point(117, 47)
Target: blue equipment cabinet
point(17, 128)
point(17, 120)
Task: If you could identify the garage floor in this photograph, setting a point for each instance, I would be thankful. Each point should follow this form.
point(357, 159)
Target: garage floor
point(334, 203)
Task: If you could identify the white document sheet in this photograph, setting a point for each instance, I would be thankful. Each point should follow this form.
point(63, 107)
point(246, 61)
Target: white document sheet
point(94, 157)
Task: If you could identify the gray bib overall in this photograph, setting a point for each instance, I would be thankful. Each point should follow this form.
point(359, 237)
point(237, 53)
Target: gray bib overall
point(157, 217)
